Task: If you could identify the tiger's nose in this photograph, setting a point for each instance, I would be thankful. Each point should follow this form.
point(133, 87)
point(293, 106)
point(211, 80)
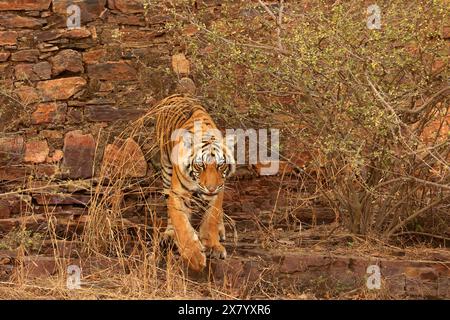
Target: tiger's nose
point(211, 188)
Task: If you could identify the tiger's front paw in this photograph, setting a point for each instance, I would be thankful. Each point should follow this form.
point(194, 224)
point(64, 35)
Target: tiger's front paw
point(214, 250)
point(167, 237)
point(194, 256)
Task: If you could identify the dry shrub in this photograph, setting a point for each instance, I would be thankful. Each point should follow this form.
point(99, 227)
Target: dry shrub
point(355, 106)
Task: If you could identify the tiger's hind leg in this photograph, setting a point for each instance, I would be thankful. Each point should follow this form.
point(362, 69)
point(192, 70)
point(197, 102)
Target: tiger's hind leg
point(211, 227)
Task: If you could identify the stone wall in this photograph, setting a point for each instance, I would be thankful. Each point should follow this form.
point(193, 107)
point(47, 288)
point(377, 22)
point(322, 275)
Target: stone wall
point(61, 87)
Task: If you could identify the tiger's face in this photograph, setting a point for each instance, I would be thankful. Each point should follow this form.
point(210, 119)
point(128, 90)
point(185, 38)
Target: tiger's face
point(210, 176)
point(204, 161)
point(210, 167)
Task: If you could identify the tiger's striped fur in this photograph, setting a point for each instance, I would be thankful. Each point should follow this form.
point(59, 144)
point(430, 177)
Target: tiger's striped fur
point(195, 161)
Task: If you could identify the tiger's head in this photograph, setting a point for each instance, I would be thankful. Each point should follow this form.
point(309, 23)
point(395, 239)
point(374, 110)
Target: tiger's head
point(206, 162)
point(210, 167)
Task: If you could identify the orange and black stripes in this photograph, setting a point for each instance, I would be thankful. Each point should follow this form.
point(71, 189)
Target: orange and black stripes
point(194, 167)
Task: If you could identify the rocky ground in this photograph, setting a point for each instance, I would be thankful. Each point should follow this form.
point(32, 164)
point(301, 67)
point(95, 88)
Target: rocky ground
point(268, 258)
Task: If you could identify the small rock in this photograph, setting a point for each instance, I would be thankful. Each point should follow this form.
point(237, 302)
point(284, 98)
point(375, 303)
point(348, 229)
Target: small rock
point(36, 151)
point(129, 6)
point(78, 33)
point(4, 56)
point(79, 150)
point(114, 71)
point(94, 56)
point(47, 49)
point(66, 60)
point(51, 112)
point(125, 160)
point(60, 89)
point(8, 38)
point(10, 20)
point(33, 72)
point(11, 149)
point(43, 70)
point(186, 85)
point(29, 55)
point(438, 66)
point(45, 14)
point(47, 35)
point(56, 157)
point(180, 64)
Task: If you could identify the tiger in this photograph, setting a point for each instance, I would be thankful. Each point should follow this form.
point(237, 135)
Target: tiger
point(195, 162)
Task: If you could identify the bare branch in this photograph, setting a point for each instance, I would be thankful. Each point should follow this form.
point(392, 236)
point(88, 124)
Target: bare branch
point(443, 91)
point(268, 10)
point(416, 214)
point(279, 21)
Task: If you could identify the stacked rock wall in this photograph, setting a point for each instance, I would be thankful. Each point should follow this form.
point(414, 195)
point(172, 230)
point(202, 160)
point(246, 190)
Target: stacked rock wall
point(60, 86)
